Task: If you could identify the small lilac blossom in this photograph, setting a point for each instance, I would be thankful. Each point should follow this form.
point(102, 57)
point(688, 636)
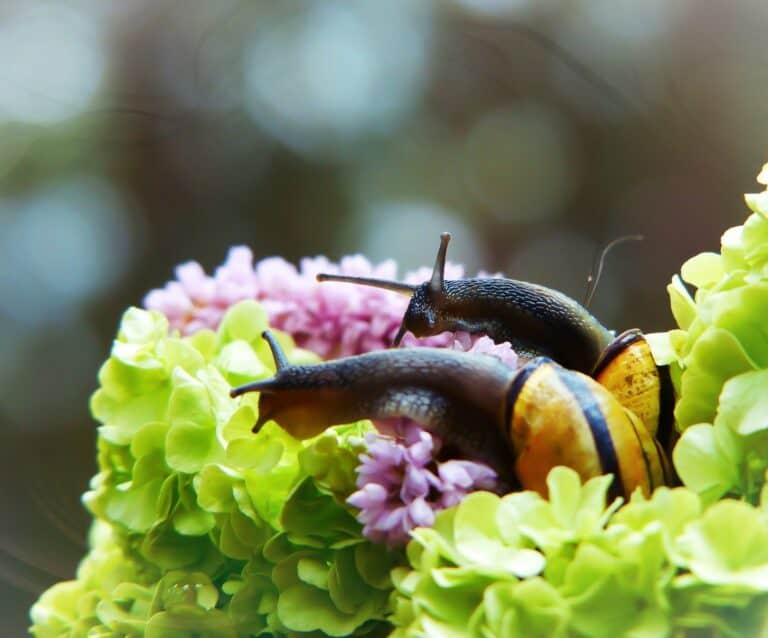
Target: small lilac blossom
point(401, 486)
point(458, 478)
point(395, 483)
point(486, 346)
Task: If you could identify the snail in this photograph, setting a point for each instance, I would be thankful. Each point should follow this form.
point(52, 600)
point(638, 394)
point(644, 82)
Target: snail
point(539, 321)
point(520, 422)
point(536, 320)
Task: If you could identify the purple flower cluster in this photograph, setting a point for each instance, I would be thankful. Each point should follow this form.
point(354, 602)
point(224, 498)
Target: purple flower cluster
point(401, 484)
point(331, 319)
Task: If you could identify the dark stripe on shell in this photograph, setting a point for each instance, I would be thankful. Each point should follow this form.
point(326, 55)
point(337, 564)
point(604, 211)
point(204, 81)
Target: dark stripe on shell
point(598, 425)
point(523, 374)
point(616, 347)
point(666, 427)
point(646, 460)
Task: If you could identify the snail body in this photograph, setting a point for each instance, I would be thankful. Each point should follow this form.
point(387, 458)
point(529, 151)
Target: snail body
point(521, 423)
point(536, 320)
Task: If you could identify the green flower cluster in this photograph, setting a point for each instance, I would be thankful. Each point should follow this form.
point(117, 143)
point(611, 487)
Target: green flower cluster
point(719, 361)
point(201, 527)
point(571, 567)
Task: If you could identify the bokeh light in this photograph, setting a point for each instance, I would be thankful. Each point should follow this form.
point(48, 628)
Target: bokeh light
point(52, 61)
point(496, 8)
point(59, 247)
point(519, 163)
point(409, 232)
point(320, 78)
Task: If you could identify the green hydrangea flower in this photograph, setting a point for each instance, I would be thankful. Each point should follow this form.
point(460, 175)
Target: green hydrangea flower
point(719, 360)
point(656, 567)
point(201, 527)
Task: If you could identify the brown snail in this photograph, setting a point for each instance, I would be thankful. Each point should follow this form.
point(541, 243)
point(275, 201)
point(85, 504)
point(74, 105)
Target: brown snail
point(520, 422)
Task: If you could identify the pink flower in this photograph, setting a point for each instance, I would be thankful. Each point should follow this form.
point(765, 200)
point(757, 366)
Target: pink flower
point(331, 319)
point(196, 301)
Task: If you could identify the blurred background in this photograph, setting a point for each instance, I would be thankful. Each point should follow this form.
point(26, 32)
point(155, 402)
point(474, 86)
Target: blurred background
point(136, 135)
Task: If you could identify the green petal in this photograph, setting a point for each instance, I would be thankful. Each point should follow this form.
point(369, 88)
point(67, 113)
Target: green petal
point(188, 622)
point(193, 522)
point(673, 509)
point(150, 438)
point(479, 541)
point(755, 239)
point(707, 460)
point(190, 446)
point(702, 381)
point(728, 546)
point(309, 513)
point(142, 326)
point(179, 353)
point(374, 565)
point(740, 311)
point(732, 249)
point(530, 608)
point(245, 321)
point(123, 418)
point(683, 306)
point(743, 403)
point(189, 401)
point(240, 424)
point(304, 608)
point(703, 271)
point(240, 363)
